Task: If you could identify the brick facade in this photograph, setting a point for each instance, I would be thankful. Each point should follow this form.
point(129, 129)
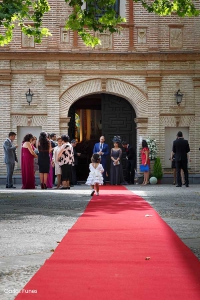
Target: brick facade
point(146, 64)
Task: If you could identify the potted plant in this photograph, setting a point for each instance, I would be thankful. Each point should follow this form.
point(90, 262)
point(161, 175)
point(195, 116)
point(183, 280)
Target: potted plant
point(157, 169)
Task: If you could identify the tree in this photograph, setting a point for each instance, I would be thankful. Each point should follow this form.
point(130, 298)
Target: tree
point(98, 16)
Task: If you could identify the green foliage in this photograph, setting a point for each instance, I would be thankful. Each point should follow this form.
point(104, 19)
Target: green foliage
point(20, 13)
point(157, 169)
point(99, 16)
point(183, 8)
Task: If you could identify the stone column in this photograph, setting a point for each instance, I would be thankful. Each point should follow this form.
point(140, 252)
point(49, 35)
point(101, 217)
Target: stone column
point(141, 127)
point(52, 101)
point(196, 82)
point(5, 109)
point(153, 86)
point(64, 125)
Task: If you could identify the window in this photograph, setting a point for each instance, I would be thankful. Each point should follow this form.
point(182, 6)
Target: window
point(99, 14)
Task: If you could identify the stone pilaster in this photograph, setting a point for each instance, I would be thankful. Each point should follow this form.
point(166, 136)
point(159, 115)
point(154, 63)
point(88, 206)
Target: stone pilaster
point(196, 82)
point(52, 99)
point(153, 86)
point(5, 110)
point(141, 127)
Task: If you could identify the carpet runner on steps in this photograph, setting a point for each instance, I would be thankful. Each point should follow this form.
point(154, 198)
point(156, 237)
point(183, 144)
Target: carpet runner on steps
point(119, 249)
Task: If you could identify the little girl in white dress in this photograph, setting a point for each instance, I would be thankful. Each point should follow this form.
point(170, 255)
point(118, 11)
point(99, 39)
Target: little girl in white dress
point(95, 177)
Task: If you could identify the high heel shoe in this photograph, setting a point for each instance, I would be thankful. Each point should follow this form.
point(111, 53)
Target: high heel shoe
point(45, 187)
point(42, 186)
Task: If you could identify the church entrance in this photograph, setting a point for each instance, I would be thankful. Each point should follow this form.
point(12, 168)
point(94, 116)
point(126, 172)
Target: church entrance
point(96, 115)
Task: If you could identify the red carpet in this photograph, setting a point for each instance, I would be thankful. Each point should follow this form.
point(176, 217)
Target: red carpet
point(103, 256)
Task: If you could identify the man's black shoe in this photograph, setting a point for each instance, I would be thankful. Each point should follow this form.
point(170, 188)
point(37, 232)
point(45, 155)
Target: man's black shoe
point(187, 185)
point(178, 185)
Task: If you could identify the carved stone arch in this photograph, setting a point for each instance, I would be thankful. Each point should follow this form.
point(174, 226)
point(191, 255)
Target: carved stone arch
point(130, 92)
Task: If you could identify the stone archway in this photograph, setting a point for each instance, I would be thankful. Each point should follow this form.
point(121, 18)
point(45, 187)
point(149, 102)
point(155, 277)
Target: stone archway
point(112, 86)
point(136, 97)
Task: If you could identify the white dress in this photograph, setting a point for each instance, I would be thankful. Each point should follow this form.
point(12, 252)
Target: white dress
point(56, 150)
point(95, 175)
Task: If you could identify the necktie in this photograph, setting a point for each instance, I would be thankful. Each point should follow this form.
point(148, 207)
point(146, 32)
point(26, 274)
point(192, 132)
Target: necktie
point(100, 146)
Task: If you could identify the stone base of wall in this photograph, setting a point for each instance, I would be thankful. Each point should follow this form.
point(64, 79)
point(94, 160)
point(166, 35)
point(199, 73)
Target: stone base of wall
point(167, 179)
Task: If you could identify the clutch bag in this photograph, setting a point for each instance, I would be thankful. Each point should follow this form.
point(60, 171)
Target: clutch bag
point(144, 168)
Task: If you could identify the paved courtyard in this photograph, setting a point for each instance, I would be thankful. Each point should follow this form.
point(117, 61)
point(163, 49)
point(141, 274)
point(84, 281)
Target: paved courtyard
point(34, 222)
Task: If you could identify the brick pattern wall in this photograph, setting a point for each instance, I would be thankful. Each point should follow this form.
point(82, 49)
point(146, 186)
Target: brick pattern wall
point(148, 84)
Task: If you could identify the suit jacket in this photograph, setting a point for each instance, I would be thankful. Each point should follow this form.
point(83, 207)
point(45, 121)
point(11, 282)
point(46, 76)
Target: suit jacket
point(130, 154)
point(9, 152)
point(181, 148)
point(105, 151)
point(75, 157)
point(53, 144)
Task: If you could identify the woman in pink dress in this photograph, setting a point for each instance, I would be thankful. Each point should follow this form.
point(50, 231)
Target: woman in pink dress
point(27, 163)
point(50, 175)
point(145, 161)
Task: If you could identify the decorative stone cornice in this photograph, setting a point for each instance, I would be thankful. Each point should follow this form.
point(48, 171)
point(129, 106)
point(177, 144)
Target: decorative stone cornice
point(141, 120)
point(102, 56)
point(196, 82)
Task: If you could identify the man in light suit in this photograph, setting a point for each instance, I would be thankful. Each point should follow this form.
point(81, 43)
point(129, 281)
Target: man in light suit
point(181, 149)
point(102, 149)
point(10, 158)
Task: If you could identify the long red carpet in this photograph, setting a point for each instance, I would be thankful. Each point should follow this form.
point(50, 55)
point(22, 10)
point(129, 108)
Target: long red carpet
point(119, 249)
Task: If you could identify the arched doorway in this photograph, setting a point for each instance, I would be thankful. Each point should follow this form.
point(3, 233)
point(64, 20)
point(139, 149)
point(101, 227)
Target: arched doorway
point(96, 115)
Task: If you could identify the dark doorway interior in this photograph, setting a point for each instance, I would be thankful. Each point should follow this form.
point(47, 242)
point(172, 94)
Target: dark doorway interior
point(96, 115)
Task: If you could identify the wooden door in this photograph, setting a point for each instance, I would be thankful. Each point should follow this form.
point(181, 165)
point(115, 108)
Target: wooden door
point(118, 119)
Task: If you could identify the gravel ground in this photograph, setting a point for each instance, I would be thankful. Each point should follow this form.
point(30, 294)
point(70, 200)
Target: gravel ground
point(34, 222)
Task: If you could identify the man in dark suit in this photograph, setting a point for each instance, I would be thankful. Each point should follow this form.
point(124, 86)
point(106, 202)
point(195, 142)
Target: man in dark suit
point(181, 149)
point(102, 149)
point(130, 162)
point(74, 165)
point(10, 158)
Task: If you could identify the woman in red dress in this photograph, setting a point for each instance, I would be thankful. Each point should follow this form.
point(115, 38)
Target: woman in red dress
point(145, 161)
point(27, 163)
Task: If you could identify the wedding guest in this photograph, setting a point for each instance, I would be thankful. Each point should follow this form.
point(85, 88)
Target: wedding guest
point(50, 175)
point(130, 163)
point(10, 158)
point(54, 143)
point(66, 158)
point(145, 161)
point(74, 165)
point(95, 176)
point(53, 140)
point(116, 170)
point(102, 149)
point(35, 149)
point(27, 163)
point(173, 166)
point(181, 149)
point(55, 162)
point(44, 147)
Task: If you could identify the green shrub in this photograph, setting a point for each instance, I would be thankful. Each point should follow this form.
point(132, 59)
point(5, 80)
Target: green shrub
point(157, 169)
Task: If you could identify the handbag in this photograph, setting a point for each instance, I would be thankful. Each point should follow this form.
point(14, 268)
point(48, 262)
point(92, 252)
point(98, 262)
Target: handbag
point(144, 168)
point(116, 163)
